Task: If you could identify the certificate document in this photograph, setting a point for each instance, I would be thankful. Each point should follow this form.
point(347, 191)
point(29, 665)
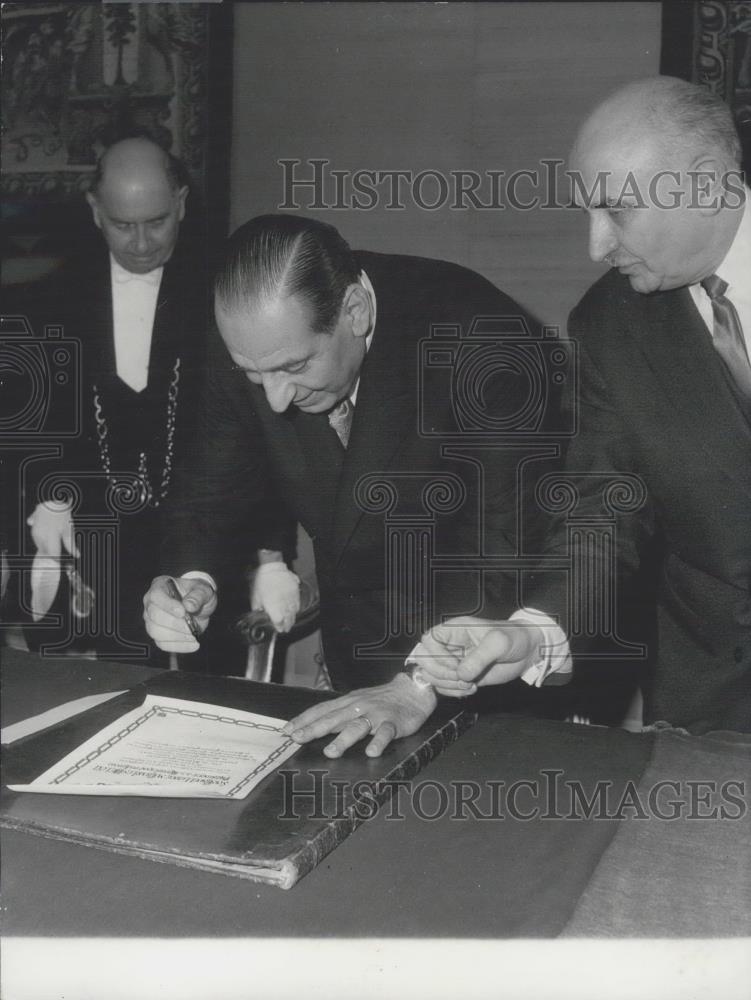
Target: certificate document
point(168, 747)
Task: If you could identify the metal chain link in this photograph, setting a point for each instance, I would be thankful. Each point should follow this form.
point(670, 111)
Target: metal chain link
point(102, 431)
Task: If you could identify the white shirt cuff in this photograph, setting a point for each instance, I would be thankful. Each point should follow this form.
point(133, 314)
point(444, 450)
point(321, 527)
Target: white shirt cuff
point(554, 665)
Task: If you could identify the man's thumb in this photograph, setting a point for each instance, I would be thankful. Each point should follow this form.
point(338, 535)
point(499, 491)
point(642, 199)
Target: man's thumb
point(493, 647)
point(453, 637)
point(193, 601)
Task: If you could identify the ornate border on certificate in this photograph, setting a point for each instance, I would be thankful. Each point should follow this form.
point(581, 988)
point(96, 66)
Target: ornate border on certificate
point(149, 712)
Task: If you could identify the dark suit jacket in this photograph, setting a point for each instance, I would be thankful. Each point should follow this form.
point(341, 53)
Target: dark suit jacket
point(656, 402)
point(79, 298)
point(376, 594)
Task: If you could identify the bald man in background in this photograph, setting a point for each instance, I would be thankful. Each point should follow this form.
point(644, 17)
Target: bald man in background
point(138, 303)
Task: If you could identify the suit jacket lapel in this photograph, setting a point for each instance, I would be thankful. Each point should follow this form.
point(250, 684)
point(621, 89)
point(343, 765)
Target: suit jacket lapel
point(680, 351)
point(93, 319)
point(321, 458)
point(167, 329)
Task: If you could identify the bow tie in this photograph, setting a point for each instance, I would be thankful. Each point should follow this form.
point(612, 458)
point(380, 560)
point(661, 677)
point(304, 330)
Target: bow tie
point(122, 277)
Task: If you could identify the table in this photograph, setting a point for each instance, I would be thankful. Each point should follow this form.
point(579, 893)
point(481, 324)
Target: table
point(456, 876)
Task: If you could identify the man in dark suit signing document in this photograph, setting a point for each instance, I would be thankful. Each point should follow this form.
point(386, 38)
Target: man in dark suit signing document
point(333, 387)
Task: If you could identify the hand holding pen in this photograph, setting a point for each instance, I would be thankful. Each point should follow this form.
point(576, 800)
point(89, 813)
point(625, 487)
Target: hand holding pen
point(195, 629)
point(177, 612)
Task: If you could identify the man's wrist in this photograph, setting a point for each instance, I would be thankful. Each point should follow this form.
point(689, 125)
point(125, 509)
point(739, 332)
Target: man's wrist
point(269, 556)
point(553, 664)
point(422, 690)
point(416, 674)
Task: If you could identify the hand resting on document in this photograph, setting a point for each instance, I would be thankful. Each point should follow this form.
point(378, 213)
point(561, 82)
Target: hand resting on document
point(452, 659)
point(381, 714)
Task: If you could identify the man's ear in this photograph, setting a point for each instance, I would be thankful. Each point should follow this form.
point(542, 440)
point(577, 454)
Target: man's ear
point(357, 309)
point(182, 195)
point(94, 206)
point(707, 176)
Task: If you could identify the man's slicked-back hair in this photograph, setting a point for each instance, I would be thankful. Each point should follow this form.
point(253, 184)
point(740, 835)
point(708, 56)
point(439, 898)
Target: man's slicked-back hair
point(276, 256)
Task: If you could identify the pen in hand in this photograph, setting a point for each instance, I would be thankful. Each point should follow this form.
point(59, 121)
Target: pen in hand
point(193, 625)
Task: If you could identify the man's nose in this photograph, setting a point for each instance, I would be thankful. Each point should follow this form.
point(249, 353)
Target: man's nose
point(279, 390)
point(602, 237)
point(141, 240)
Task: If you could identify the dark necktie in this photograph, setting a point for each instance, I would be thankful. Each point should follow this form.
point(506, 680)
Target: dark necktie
point(727, 334)
point(340, 419)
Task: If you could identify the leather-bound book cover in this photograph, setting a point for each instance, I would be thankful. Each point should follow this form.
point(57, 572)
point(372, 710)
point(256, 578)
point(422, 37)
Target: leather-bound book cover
point(281, 831)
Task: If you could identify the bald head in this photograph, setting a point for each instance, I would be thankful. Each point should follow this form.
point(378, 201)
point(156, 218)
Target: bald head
point(138, 204)
point(669, 118)
point(656, 167)
point(136, 157)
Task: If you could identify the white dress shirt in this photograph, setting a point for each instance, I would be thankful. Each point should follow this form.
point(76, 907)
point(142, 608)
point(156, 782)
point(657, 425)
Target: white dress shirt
point(736, 271)
point(133, 308)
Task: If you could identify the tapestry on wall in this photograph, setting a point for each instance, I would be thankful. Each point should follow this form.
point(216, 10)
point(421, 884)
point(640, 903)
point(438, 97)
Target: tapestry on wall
point(76, 76)
point(709, 42)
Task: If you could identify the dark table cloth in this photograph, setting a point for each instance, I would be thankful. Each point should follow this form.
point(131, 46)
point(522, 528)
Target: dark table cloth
point(572, 867)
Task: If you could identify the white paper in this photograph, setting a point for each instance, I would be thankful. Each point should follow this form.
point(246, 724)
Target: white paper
point(168, 747)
